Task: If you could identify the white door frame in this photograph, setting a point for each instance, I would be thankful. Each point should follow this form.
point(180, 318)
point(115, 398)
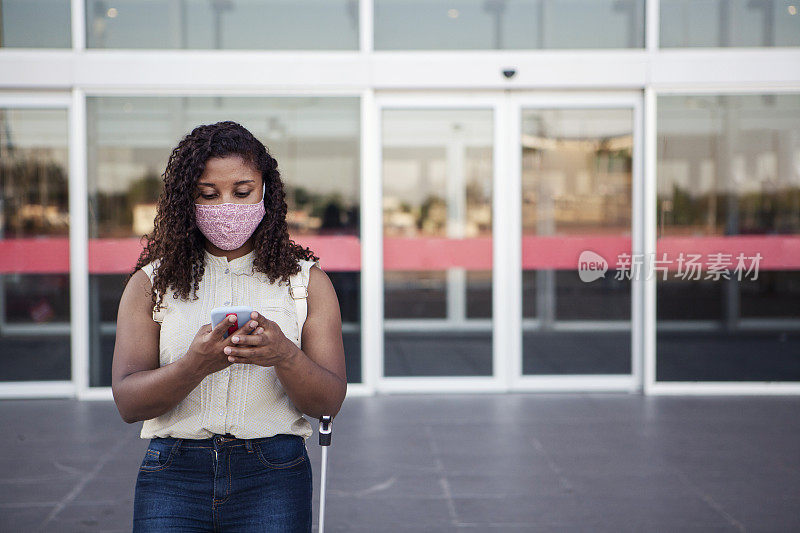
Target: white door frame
point(506, 244)
point(497, 382)
point(55, 388)
point(597, 382)
point(651, 385)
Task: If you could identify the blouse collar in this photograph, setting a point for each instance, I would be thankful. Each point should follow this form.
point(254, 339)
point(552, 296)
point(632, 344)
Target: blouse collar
point(240, 265)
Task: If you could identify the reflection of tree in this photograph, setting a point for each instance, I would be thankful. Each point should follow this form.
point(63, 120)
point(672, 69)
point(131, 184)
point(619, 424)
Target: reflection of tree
point(145, 190)
point(35, 198)
point(475, 193)
point(112, 214)
point(432, 215)
point(302, 197)
point(759, 212)
point(320, 213)
point(114, 210)
point(332, 217)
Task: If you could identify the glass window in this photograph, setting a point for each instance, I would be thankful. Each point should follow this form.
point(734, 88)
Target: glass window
point(508, 24)
point(34, 245)
point(223, 24)
point(437, 229)
point(576, 200)
point(719, 23)
point(35, 24)
point(728, 184)
point(316, 141)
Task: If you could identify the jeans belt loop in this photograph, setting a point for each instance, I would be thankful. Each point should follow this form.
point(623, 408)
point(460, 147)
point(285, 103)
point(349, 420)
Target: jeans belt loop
point(249, 445)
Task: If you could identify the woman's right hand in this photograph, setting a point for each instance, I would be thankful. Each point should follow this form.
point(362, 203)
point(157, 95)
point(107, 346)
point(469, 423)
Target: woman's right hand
point(206, 354)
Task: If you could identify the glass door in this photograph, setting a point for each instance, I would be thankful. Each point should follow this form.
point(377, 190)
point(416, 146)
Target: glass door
point(577, 158)
point(437, 161)
point(35, 332)
point(488, 203)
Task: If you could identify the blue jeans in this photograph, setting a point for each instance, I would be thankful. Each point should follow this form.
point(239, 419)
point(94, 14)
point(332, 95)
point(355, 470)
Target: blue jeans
point(224, 484)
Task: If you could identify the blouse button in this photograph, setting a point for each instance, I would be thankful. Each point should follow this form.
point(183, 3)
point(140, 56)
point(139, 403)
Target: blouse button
point(226, 303)
point(227, 270)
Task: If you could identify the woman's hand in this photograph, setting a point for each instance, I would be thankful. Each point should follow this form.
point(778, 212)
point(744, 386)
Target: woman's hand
point(267, 346)
point(206, 351)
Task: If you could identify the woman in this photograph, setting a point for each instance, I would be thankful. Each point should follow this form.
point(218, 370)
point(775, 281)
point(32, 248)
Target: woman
point(224, 414)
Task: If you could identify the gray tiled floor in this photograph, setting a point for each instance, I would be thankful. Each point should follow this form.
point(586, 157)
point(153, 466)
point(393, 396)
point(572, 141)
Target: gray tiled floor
point(443, 463)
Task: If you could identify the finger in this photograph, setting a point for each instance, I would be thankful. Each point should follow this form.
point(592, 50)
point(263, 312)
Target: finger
point(243, 331)
point(247, 340)
point(240, 351)
point(246, 329)
point(263, 321)
point(219, 331)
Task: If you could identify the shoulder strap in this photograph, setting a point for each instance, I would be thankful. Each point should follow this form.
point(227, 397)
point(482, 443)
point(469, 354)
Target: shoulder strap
point(298, 291)
point(158, 312)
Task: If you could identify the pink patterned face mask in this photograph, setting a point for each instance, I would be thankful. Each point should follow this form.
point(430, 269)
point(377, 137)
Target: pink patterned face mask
point(229, 225)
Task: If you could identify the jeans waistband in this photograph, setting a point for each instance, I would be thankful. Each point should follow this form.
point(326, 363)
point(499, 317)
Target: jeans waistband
point(221, 440)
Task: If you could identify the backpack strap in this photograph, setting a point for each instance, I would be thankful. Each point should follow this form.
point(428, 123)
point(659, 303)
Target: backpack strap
point(298, 290)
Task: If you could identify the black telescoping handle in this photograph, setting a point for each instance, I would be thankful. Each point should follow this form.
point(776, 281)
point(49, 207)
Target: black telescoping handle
point(325, 428)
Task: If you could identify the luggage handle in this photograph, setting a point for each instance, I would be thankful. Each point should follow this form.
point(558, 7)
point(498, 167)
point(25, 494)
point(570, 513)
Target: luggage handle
point(325, 430)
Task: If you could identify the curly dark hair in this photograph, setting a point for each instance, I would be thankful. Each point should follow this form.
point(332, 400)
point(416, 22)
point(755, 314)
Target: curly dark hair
point(178, 243)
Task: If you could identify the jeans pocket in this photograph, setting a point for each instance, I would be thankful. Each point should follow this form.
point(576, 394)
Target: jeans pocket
point(281, 451)
point(158, 456)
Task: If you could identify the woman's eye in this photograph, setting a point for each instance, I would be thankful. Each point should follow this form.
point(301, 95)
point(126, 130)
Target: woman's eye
point(239, 195)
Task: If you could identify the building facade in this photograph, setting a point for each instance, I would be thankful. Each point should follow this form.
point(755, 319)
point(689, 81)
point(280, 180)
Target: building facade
point(508, 195)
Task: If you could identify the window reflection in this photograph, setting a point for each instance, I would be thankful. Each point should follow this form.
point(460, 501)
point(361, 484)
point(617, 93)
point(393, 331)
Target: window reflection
point(34, 246)
point(576, 195)
point(728, 182)
point(713, 23)
point(35, 24)
point(223, 24)
point(316, 142)
point(437, 228)
point(508, 24)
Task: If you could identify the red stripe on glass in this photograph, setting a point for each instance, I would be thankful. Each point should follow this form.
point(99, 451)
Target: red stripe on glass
point(342, 253)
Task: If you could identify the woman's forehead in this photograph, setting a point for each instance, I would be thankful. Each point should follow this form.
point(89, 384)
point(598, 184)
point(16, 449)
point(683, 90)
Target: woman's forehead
point(229, 170)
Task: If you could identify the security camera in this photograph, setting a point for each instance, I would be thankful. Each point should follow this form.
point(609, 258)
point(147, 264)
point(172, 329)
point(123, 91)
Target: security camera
point(509, 72)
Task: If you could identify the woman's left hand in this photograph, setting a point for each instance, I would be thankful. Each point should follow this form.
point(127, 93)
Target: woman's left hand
point(266, 346)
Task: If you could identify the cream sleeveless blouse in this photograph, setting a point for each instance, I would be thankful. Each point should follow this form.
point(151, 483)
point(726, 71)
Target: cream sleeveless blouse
point(246, 400)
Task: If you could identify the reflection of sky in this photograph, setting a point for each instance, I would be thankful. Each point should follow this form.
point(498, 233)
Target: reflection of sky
point(247, 24)
point(31, 128)
point(693, 129)
point(507, 24)
point(399, 24)
point(421, 149)
point(698, 22)
point(35, 23)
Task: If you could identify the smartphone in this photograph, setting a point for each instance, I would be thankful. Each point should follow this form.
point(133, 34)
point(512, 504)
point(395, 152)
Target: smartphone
point(242, 313)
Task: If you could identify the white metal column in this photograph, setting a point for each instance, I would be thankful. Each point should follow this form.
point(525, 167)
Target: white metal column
point(79, 244)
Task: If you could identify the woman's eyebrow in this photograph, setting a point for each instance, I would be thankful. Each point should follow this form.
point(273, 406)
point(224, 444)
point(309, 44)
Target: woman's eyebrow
point(237, 183)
